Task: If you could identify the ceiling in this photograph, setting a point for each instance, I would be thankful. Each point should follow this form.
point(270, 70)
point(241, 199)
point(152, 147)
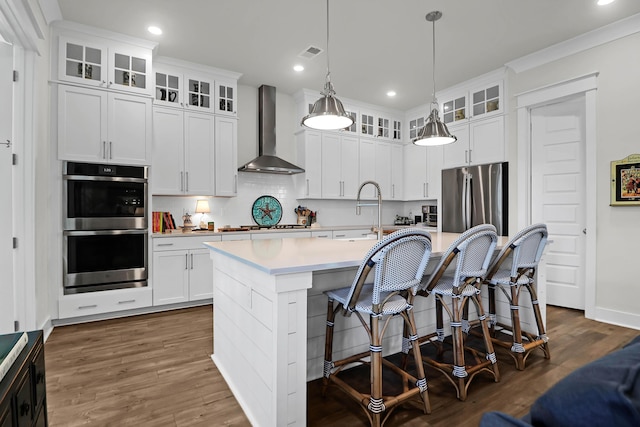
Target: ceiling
point(375, 45)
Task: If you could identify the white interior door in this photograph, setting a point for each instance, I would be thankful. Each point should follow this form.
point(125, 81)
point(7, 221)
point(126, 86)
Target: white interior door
point(558, 196)
point(7, 292)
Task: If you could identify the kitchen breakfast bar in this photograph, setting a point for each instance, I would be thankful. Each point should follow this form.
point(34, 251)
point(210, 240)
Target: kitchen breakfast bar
point(270, 316)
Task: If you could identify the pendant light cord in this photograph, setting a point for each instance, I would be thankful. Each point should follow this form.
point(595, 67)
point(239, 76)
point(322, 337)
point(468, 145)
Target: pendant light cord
point(328, 72)
point(434, 62)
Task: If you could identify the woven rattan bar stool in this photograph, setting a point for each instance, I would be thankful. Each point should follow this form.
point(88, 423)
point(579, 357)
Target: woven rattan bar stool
point(514, 269)
point(454, 285)
point(398, 263)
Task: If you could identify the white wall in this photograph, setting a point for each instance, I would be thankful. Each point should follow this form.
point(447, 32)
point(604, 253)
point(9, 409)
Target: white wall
point(618, 228)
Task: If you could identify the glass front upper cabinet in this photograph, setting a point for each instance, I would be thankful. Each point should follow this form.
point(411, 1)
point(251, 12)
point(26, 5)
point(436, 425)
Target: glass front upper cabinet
point(82, 63)
point(485, 100)
point(383, 128)
point(168, 89)
point(414, 127)
point(366, 124)
point(397, 130)
point(130, 72)
point(199, 94)
point(455, 110)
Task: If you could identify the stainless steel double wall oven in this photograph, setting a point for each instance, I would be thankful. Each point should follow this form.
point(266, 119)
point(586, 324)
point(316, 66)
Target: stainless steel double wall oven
point(105, 227)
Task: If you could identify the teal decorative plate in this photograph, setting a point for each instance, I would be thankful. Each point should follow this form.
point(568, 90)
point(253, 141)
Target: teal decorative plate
point(266, 211)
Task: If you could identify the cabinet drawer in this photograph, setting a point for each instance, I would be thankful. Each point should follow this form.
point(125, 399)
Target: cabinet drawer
point(24, 405)
point(182, 243)
point(103, 302)
point(351, 234)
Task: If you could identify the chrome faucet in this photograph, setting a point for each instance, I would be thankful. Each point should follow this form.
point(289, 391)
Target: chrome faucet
point(379, 204)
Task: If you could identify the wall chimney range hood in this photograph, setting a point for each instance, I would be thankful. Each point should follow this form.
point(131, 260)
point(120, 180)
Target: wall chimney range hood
point(267, 161)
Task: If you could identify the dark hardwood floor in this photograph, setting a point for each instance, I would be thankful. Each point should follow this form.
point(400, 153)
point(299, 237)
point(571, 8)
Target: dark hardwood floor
point(156, 370)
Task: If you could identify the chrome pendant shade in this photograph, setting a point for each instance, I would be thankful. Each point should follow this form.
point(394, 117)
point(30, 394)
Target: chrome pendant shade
point(434, 131)
point(327, 112)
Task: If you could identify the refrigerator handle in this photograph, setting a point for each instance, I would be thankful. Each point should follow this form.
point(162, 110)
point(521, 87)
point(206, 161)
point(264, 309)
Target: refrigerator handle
point(467, 195)
point(463, 204)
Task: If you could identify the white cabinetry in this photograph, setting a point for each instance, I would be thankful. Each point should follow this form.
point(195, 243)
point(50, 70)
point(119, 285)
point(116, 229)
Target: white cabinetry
point(397, 172)
point(422, 167)
point(226, 156)
point(339, 166)
point(101, 126)
point(479, 142)
point(376, 165)
point(309, 154)
point(474, 113)
point(94, 61)
point(182, 269)
point(191, 86)
point(183, 152)
point(90, 303)
point(357, 233)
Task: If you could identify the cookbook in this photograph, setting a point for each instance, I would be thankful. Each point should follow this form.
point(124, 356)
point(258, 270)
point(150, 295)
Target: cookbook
point(10, 347)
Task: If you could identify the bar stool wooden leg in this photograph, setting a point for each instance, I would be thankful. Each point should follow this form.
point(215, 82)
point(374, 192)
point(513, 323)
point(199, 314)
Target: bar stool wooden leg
point(493, 319)
point(488, 343)
point(422, 379)
point(328, 345)
point(542, 335)
point(459, 369)
point(517, 349)
point(376, 403)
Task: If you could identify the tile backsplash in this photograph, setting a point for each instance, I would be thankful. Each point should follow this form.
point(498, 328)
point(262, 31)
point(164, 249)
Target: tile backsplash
point(235, 211)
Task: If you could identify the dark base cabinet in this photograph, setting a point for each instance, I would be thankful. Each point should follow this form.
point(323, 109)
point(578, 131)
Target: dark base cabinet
point(23, 401)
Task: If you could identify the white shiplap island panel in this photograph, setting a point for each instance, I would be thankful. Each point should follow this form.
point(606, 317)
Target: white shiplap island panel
point(269, 317)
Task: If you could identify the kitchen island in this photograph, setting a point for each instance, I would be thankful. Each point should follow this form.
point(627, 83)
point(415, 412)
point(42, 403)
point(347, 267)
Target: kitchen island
point(269, 317)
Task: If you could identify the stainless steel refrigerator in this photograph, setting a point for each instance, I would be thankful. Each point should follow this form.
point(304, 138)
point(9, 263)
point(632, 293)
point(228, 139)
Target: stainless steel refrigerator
point(474, 195)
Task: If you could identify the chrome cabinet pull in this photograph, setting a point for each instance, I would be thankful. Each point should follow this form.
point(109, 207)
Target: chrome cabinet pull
point(82, 307)
point(104, 149)
point(307, 186)
point(186, 185)
point(465, 156)
point(165, 244)
point(110, 150)
point(192, 261)
point(470, 156)
point(426, 194)
point(129, 301)
point(186, 261)
point(181, 181)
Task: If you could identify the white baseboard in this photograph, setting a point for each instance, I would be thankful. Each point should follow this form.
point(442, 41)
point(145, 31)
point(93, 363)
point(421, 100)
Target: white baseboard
point(627, 320)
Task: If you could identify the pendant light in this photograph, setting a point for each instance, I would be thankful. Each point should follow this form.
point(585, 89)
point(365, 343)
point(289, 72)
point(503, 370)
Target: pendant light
point(434, 131)
point(327, 112)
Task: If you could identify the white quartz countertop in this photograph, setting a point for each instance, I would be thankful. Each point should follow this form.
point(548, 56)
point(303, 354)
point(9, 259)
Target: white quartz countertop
point(288, 255)
point(178, 232)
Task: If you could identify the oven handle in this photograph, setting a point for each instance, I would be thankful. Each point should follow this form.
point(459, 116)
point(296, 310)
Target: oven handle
point(103, 232)
point(103, 178)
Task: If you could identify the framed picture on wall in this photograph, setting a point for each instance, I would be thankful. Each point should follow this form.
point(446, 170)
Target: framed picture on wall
point(625, 181)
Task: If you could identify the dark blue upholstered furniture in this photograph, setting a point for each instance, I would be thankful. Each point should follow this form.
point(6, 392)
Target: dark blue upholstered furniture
point(605, 392)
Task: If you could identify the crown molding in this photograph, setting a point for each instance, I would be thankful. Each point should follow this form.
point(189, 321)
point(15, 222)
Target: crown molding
point(600, 36)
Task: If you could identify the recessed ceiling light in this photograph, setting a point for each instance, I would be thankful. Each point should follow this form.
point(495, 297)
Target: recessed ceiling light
point(604, 2)
point(391, 93)
point(154, 30)
point(298, 68)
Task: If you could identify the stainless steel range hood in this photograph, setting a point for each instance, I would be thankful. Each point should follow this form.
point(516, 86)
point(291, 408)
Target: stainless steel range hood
point(267, 161)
